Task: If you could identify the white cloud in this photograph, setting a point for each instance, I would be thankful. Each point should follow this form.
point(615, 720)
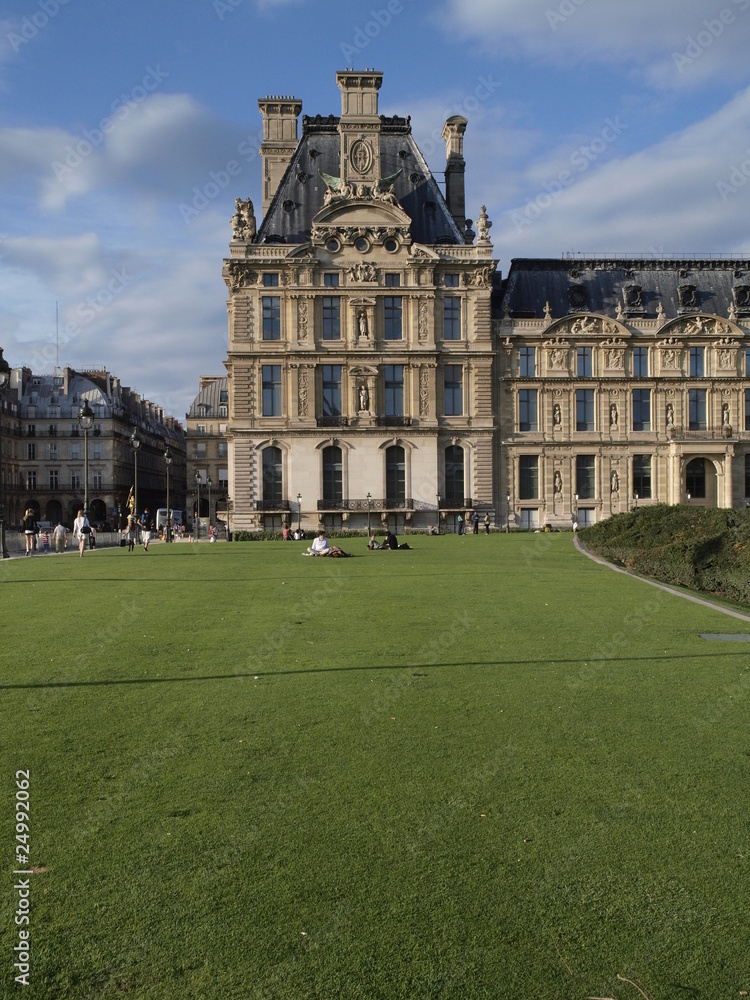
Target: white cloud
point(673, 43)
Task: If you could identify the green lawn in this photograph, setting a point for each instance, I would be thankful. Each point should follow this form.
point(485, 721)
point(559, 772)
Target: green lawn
point(486, 767)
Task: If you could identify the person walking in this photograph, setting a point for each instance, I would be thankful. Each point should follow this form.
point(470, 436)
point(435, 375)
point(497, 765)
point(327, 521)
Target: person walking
point(60, 535)
point(29, 529)
point(487, 523)
point(81, 528)
point(460, 524)
point(147, 526)
point(474, 522)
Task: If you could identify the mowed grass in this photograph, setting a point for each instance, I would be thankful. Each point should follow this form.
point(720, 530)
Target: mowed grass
point(486, 767)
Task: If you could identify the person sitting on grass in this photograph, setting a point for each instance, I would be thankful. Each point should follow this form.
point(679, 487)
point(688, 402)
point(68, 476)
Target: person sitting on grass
point(374, 543)
point(391, 542)
point(320, 546)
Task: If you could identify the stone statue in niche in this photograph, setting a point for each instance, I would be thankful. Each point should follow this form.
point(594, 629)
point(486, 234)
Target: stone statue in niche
point(556, 415)
point(670, 415)
point(725, 414)
point(613, 416)
point(362, 323)
point(614, 482)
point(364, 398)
point(558, 483)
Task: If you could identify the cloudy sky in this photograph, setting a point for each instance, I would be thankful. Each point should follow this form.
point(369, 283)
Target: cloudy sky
point(594, 125)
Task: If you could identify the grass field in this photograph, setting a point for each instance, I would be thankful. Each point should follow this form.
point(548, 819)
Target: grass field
point(486, 767)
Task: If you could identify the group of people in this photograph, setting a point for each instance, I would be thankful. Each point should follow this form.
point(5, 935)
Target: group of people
point(82, 530)
point(474, 521)
point(389, 542)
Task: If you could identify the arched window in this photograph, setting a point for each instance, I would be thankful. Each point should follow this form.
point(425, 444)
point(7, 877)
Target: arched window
point(454, 473)
point(332, 475)
point(272, 478)
point(695, 478)
point(395, 475)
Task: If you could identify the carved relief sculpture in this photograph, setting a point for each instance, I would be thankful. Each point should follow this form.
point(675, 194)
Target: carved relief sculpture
point(302, 392)
point(423, 320)
point(302, 320)
point(424, 393)
point(243, 221)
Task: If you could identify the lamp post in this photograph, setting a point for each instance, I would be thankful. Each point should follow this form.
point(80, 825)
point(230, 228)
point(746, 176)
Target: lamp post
point(209, 483)
point(135, 443)
point(198, 507)
point(437, 497)
point(86, 420)
point(168, 461)
point(299, 513)
point(575, 512)
point(4, 383)
point(689, 497)
point(635, 500)
point(369, 501)
point(507, 520)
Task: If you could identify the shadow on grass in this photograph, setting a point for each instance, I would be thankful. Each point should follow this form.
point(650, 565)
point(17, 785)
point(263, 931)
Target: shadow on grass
point(338, 670)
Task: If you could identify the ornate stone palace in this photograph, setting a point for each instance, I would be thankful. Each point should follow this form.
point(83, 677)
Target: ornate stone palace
point(379, 368)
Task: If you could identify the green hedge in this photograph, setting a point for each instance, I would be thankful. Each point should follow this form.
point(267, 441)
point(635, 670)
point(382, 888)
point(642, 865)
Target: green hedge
point(697, 547)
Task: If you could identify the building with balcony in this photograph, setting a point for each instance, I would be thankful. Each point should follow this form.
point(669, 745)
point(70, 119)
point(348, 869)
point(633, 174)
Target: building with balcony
point(207, 451)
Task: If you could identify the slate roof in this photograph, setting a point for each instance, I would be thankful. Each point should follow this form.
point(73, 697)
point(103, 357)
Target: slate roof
point(209, 399)
point(533, 282)
point(300, 194)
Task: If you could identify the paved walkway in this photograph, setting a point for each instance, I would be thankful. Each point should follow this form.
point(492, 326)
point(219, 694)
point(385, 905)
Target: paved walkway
point(662, 586)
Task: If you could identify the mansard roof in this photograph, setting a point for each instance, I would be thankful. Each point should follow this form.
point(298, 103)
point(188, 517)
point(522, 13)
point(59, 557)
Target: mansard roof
point(300, 194)
point(637, 286)
point(208, 400)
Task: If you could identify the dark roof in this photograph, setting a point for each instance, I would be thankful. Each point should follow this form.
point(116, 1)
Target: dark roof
point(602, 283)
point(208, 400)
point(300, 194)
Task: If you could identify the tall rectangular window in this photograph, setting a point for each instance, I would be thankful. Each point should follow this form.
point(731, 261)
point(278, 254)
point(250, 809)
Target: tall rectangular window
point(697, 358)
point(585, 410)
point(271, 317)
point(394, 390)
point(586, 476)
point(451, 317)
point(31, 479)
point(527, 362)
point(642, 476)
point(331, 390)
point(392, 316)
point(331, 317)
point(583, 362)
point(96, 480)
point(527, 410)
point(747, 409)
point(31, 451)
point(271, 390)
point(640, 362)
point(528, 477)
point(54, 479)
point(75, 480)
point(453, 381)
point(697, 410)
point(641, 409)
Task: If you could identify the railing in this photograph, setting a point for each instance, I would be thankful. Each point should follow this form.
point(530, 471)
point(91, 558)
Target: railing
point(273, 505)
point(394, 421)
point(363, 505)
point(338, 421)
point(462, 503)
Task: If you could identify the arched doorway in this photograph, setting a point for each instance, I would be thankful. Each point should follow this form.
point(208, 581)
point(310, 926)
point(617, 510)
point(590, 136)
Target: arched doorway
point(98, 511)
point(700, 481)
point(53, 512)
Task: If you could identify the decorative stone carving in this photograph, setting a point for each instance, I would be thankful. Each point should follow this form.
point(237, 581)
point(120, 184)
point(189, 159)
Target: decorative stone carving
point(362, 272)
point(670, 353)
point(661, 316)
point(557, 353)
point(362, 324)
point(424, 392)
point(364, 398)
point(240, 275)
point(302, 320)
point(302, 391)
point(243, 221)
point(558, 483)
point(585, 324)
point(423, 321)
point(614, 482)
point(614, 418)
point(479, 278)
point(670, 415)
point(483, 228)
point(556, 415)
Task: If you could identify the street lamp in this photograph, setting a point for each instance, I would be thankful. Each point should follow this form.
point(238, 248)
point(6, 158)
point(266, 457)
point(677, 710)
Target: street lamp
point(635, 500)
point(198, 507)
point(507, 521)
point(369, 501)
point(86, 420)
point(135, 443)
point(438, 512)
point(168, 461)
point(209, 483)
point(299, 514)
point(4, 383)
point(690, 497)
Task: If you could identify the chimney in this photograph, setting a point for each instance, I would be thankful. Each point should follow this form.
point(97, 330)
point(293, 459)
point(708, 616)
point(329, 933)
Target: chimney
point(279, 141)
point(455, 168)
point(360, 125)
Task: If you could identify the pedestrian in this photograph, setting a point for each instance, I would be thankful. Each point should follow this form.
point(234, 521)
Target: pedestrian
point(92, 538)
point(460, 524)
point(475, 522)
point(45, 542)
point(29, 529)
point(487, 524)
point(60, 535)
point(147, 526)
point(81, 528)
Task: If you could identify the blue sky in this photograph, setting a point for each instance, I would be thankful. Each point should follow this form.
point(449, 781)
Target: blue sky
point(594, 125)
